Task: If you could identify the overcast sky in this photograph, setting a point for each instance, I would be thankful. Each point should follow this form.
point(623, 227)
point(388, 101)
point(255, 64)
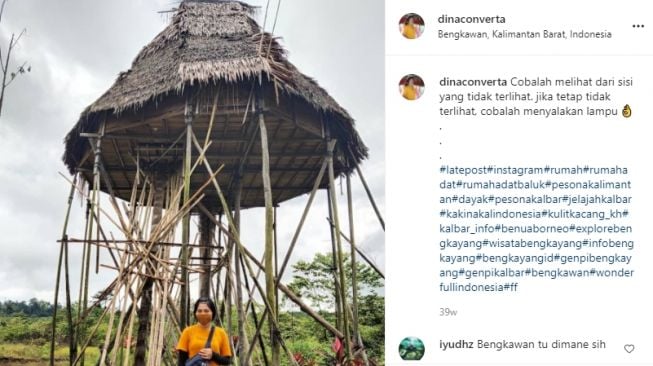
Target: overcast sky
point(76, 48)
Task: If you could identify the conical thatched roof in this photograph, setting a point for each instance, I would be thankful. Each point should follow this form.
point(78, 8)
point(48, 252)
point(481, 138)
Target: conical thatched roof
point(209, 42)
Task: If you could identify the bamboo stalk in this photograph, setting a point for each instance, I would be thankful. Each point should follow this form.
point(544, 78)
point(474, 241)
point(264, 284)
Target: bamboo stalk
point(282, 287)
point(81, 307)
point(295, 237)
point(370, 197)
point(276, 259)
point(207, 230)
point(64, 236)
point(243, 345)
point(69, 306)
point(225, 209)
point(269, 235)
point(334, 264)
point(257, 323)
point(188, 118)
point(362, 254)
point(354, 283)
point(107, 336)
point(341, 265)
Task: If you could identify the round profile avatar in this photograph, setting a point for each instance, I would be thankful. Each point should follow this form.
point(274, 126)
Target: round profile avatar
point(411, 349)
point(411, 26)
point(411, 87)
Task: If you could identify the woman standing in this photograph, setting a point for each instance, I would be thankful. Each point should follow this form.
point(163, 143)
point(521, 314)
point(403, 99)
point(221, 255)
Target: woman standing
point(194, 338)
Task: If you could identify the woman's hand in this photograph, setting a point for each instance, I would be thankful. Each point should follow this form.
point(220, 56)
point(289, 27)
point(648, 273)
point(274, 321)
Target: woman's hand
point(206, 353)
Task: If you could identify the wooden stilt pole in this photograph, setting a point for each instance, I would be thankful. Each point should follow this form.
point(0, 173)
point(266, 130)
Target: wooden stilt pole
point(64, 239)
point(256, 322)
point(334, 264)
point(269, 234)
point(144, 311)
point(282, 287)
point(340, 262)
point(69, 306)
point(371, 198)
point(236, 238)
point(185, 233)
point(369, 261)
point(207, 230)
point(354, 283)
point(243, 344)
point(229, 284)
point(316, 186)
point(333, 234)
point(89, 235)
point(218, 301)
point(276, 258)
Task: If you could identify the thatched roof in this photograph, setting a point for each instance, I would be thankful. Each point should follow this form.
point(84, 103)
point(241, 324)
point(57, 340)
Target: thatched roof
point(208, 42)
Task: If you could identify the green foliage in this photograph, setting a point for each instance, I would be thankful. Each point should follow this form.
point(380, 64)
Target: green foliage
point(33, 307)
point(371, 318)
point(24, 336)
point(314, 282)
point(24, 339)
point(310, 351)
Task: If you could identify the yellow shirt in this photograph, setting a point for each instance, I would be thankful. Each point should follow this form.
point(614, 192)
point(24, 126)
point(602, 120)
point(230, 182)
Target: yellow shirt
point(409, 31)
point(194, 337)
point(409, 92)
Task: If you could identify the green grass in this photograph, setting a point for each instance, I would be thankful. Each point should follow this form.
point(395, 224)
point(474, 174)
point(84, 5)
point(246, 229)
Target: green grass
point(31, 352)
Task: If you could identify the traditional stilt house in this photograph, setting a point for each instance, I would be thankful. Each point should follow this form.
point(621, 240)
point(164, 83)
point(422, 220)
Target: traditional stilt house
point(211, 118)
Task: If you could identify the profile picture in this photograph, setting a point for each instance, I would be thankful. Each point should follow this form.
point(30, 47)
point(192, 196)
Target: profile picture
point(411, 87)
point(411, 26)
point(411, 349)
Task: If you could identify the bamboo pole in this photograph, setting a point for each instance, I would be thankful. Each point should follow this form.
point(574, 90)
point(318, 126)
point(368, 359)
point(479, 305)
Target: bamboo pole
point(107, 336)
point(305, 308)
point(122, 322)
point(218, 273)
point(153, 240)
point(147, 261)
point(243, 345)
point(96, 183)
point(69, 306)
point(225, 209)
point(354, 283)
point(207, 230)
point(341, 265)
point(85, 273)
point(316, 186)
point(269, 235)
point(256, 322)
point(64, 237)
point(188, 119)
point(92, 205)
point(276, 259)
point(292, 296)
point(334, 265)
point(370, 197)
point(229, 296)
point(362, 254)
point(144, 326)
point(232, 239)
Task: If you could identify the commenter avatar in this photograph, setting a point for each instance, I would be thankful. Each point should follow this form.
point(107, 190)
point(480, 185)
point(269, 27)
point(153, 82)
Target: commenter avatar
point(411, 349)
point(411, 26)
point(411, 87)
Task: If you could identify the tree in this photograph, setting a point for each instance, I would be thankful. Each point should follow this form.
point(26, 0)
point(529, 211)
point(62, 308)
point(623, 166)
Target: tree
point(5, 58)
point(314, 280)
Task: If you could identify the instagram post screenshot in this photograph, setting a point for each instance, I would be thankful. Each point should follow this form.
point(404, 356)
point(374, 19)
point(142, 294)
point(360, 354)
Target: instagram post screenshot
point(517, 165)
